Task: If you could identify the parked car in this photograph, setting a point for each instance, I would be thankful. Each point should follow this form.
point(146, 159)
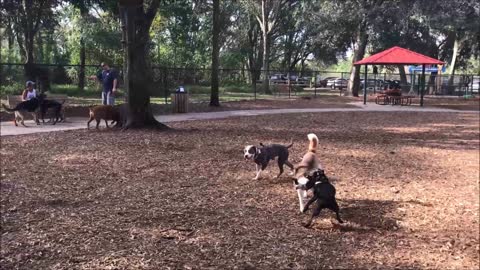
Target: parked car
point(475, 84)
point(323, 83)
point(371, 83)
point(303, 80)
point(278, 79)
point(337, 83)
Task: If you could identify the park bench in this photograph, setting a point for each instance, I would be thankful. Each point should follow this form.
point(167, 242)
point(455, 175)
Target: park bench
point(13, 101)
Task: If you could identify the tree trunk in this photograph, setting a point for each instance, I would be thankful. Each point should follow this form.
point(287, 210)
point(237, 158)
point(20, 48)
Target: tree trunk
point(255, 53)
point(137, 72)
point(266, 48)
point(360, 47)
point(287, 60)
point(10, 39)
point(457, 47)
point(403, 77)
point(214, 99)
point(40, 48)
point(81, 72)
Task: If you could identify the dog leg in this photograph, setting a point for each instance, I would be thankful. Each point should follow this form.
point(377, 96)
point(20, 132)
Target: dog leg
point(280, 166)
point(302, 195)
point(98, 123)
point(336, 209)
point(291, 167)
point(315, 213)
point(106, 123)
point(312, 200)
point(88, 123)
point(36, 118)
point(258, 170)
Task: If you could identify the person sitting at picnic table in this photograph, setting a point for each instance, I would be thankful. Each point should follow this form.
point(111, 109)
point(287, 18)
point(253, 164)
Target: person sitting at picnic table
point(29, 92)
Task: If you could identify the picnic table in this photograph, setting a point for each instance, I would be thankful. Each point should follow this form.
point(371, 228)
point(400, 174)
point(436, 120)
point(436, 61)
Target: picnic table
point(393, 97)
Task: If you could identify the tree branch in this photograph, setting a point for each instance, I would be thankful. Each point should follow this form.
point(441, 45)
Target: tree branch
point(39, 15)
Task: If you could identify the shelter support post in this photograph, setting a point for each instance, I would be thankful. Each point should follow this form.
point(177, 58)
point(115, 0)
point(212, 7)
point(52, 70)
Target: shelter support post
point(365, 86)
point(423, 85)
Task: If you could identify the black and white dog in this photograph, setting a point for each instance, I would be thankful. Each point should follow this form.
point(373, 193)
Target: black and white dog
point(262, 154)
point(323, 194)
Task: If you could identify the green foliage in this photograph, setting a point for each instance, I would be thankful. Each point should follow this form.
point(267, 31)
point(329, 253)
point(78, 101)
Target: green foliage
point(74, 91)
point(15, 88)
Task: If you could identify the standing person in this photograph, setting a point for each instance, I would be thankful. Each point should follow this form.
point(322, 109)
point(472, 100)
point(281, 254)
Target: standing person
point(29, 92)
point(109, 80)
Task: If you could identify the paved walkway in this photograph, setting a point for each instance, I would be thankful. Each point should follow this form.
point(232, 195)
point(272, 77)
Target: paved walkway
point(8, 129)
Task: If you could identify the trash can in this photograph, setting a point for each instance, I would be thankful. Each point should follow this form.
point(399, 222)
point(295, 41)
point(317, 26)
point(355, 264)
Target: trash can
point(180, 100)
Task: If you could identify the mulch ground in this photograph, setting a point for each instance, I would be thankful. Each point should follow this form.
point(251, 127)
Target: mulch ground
point(407, 185)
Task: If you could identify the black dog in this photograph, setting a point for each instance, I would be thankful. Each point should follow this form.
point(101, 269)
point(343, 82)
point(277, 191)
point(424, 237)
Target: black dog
point(263, 154)
point(55, 108)
point(323, 194)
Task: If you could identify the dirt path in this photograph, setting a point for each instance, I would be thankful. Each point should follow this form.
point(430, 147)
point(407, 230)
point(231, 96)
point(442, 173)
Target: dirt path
point(8, 129)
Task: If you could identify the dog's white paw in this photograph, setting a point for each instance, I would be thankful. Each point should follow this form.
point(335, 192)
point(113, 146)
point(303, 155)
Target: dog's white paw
point(291, 174)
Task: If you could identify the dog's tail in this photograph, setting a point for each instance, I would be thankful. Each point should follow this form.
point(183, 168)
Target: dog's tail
point(312, 146)
point(7, 109)
point(291, 144)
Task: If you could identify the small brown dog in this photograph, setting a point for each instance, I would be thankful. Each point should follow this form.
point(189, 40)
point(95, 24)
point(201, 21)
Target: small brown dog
point(105, 112)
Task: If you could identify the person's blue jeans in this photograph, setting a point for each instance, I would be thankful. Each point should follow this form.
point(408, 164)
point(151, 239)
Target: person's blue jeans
point(108, 98)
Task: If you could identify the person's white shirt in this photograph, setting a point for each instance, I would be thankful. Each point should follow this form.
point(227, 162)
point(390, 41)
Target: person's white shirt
point(32, 94)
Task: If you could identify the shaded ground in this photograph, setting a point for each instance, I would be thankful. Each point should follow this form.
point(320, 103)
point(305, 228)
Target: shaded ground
point(407, 185)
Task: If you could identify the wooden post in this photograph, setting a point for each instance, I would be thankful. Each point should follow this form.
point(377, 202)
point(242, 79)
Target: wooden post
point(423, 85)
point(365, 86)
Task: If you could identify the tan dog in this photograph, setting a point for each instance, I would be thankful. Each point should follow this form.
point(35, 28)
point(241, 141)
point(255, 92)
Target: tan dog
point(105, 112)
point(309, 164)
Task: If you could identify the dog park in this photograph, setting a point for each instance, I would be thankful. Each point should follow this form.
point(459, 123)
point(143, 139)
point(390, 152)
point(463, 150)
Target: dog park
point(151, 164)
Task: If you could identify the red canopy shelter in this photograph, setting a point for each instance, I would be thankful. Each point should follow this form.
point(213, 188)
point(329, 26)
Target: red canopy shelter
point(398, 56)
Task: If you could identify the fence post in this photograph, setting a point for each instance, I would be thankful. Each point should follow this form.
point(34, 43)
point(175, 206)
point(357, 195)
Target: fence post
point(165, 86)
point(315, 83)
point(254, 80)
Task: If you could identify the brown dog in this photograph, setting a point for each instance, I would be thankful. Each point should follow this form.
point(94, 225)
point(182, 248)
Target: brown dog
point(309, 163)
point(105, 112)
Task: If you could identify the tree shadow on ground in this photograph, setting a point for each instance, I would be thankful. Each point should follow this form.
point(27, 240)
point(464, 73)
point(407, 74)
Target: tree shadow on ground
point(369, 215)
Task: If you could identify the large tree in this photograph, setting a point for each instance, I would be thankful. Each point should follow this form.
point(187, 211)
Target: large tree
point(27, 17)
point(268, 14)
point(214, 99)
point(458, 23)
point(137, 18)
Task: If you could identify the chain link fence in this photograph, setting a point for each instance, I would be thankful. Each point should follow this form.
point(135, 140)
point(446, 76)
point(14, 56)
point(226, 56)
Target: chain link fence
point(234, 84)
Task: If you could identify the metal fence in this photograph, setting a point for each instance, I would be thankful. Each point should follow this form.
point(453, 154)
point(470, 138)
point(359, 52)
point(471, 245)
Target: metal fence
point(235, 84)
